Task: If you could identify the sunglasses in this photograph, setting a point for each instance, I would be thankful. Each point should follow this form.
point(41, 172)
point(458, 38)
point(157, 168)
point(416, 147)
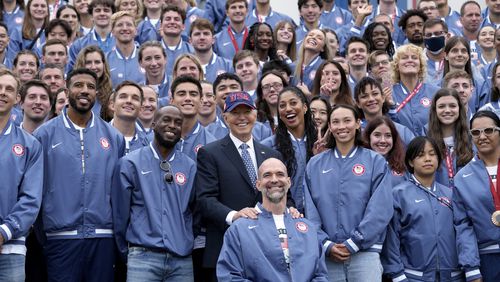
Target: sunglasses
point(165, 166)
point(488, 131)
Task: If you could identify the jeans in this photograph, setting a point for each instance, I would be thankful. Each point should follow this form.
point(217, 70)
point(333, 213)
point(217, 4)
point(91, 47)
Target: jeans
point(360, 267)
point(146, 265)
point(12, 268)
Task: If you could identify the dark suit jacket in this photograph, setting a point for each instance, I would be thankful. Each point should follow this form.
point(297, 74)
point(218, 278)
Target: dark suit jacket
point(222, 184)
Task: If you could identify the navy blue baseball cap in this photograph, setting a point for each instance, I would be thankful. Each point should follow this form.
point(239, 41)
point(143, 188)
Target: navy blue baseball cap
point(238, 98)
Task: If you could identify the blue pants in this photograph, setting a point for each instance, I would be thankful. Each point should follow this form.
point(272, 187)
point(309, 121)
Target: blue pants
point(490, 267)
point(75, 260)
point(362, 266)
point(12, 268)
point(145, 265)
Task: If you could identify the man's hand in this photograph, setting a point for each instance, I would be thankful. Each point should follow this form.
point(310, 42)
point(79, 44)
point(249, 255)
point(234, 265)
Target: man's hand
point(339, 253)
point(246, 213)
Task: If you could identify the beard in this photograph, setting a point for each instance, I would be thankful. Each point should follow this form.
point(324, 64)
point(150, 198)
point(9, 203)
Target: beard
point(165, 143)
point(82, 110)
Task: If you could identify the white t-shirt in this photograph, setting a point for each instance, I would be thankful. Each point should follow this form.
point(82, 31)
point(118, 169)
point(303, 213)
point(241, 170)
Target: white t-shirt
point(492, 171)
point(282, 234)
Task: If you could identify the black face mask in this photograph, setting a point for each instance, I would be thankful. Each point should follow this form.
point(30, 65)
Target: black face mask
point(434, 44)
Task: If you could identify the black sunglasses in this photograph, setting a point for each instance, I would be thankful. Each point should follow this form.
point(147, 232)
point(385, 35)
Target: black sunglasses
point(165, 166)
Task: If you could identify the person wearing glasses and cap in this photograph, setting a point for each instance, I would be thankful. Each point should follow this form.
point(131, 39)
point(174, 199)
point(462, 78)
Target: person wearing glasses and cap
point(227, 173)
point(152, 199)
point(476, 202)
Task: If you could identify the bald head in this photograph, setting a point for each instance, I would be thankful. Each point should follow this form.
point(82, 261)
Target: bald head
point(273, 182)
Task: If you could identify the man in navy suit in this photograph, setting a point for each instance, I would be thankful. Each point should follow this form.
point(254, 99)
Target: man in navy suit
point(226, 175)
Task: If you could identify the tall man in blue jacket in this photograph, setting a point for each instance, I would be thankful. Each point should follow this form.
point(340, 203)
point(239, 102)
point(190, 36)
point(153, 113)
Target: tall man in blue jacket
point(81, 151)
point(226, 175)
point(251, 248)
point(152, 198)
point(21, 164)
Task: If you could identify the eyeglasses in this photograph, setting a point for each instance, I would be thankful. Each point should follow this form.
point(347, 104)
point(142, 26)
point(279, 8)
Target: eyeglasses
point(165, 166)
point(488, 131)
point(275, 85)
point(381, 63)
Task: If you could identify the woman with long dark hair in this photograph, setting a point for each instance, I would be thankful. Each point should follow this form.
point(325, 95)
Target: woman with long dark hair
point(448, 125)
point(294, 138)
point(348, 188)
point(330, 81)
point(476, 202)
point(286, 48)
point(421, 241)
point(270, 85)
point(320, 109)
point(382, 136)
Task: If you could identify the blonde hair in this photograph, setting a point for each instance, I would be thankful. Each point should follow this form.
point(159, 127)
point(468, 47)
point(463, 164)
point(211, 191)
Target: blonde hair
point(325, 54)
point(120, 14)
point(397, 57)
point(191, 57)
point(139, 6)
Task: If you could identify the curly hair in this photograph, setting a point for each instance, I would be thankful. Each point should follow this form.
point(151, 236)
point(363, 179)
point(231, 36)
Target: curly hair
point(397, 57)
point(368, 36)
point(284, 143)
point(251, 43)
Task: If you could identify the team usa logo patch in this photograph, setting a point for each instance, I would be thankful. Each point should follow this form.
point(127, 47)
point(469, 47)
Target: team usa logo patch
point(426, 102)
point(193, 18)
point(301, 226)
point(197, 148)
point(339, 20)
point(18, 149)
point(358, 169)
point(19, 20)
point(104, 143)
point(180, 178)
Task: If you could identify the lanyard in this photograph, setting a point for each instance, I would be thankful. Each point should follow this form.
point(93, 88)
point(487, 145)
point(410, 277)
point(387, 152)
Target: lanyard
point(442, 200)
point(409, 97)
point(449, 166)
point(439, 69)
point(54, 11)
point(495, 194)
point(233, 40)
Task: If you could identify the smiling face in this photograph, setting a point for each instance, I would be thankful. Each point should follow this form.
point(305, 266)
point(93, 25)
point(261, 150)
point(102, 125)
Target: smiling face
point(153, 5)
point(124, 30)
point(291, 110)
point(380, 38)
point(447, 110)
point(320, 113)
point(310, 12)
point(4, 39)
point(357, 54)
point(271, 86)
point(332, 42)
point(331, 75)
point(172, 24)
point(409, 64)
point(127, 103)
point(207, 100)
point(273, 181)
point(314, 41)
point(102, 16)
point(241, 121)
point(486, 145)
point(54, 78)
point(225, 87)
point(8, 94)
point(70, 16)
point(153, 61)
point(370, 101)
point(26, 67)
point(264, 37)
point(39, 10)
point(82, 93)
point(247, 70)
point(93, 61)
point(61, 101)
point(381, 67)
point(464, 88)
point(187, 98)
point(187, 67)
point(486, 37)
point(381, 140)
point(167, 126)
point(458, 56)
point(285, 34)
point(82, 6)
point(237, 12)
point(343, 126)
point(149, 104)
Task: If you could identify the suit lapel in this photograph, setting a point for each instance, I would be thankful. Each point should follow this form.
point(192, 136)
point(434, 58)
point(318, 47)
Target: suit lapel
point(235, 158)
point(260, 153)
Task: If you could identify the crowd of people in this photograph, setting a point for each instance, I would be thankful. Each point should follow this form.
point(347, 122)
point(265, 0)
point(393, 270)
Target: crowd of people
point(220, 140)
